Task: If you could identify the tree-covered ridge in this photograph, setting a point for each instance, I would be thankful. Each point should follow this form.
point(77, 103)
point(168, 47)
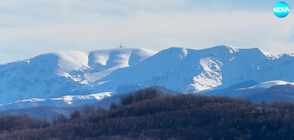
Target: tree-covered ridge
point(158, 114)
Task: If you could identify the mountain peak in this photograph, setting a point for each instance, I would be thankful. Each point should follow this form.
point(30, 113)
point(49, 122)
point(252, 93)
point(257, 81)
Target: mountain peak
point(222, 48)
point(286, 56)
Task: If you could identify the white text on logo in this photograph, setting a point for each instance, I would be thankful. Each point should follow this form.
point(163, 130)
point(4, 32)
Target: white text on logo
point(281, 9)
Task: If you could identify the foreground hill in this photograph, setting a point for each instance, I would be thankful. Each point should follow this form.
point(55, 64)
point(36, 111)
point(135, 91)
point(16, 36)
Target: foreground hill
point(158, 114)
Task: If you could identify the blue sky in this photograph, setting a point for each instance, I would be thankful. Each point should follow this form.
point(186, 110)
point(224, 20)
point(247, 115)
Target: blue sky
point(32, 27)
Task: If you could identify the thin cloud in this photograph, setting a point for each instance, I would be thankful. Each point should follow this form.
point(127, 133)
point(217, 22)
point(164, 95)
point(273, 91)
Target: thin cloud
point(40, 26)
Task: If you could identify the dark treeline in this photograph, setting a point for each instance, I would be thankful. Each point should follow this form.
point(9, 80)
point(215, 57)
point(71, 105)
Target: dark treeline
point(156, 114)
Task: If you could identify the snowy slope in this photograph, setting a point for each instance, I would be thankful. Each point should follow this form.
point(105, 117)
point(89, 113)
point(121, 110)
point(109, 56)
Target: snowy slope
point(64, 73)
point(269, 91)
point(181, 69)
point(250, 88)
point(72, 78)
point(269, 84)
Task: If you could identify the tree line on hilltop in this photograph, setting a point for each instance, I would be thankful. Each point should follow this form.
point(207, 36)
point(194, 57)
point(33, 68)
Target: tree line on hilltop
point(157, 114)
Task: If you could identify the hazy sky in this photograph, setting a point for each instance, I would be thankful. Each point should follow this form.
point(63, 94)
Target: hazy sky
point(32, 27)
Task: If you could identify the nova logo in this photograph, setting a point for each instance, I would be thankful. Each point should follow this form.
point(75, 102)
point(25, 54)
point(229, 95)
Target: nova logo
point(281, 9)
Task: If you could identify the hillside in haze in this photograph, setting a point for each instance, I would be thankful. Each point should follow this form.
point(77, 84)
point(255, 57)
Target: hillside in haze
point(75, 78)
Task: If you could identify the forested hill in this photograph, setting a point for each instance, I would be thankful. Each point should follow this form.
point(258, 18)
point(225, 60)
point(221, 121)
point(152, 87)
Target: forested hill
point(159, 114)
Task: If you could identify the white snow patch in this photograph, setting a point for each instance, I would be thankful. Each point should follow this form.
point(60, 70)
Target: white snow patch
point(101, 57)
point(269, 55)
point(101, 74)
point(70, 98)
point(30, 100)
point(84, 82)
point(269, 84)
point(72, 60)
point(183, 54)
point(232, 49)
point(210, 77)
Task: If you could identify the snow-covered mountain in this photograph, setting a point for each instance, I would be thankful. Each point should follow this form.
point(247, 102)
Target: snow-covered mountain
point(73, 78)
point(182, 70)
point(64, 73)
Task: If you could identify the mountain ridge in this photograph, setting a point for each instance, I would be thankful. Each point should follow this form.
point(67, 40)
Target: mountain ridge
point(52, 74)
point(81, 75)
